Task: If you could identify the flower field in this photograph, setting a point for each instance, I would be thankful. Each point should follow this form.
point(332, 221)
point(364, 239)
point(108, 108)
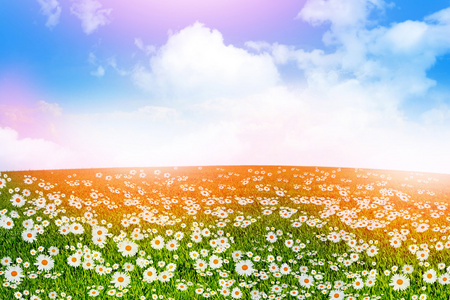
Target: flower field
point(227, 232)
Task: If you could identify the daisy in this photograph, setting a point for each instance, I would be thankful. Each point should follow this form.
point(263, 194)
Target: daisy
point(93, 293)
point(181, 286)
point(29, 235)
point(271, 237)
point(215, 262)
point(273, 267)
point(179, 235)
point(172, 245)
point(444, 279)
point(165, 276)
point(88, 264)
point(128, 248)
point(336, 295)
point(6, 222)
point(13, 273)
point(28, 224)
point(100, 269)
point(407, 269)
point(285, 269)
point(422, 255)
point(358, 284)
point(370, 281)
point(74, 260)
point(306, 280)
point(244, 267)
point(76, 228)
point(6, 261)
point(120, 280)
point(399, 282)
point(17, 200)
point(150, 274)
point(99, 231)
point(236, 293)
point(201, 265)
point(157, 242)
point(53, 251)
point(44, 262)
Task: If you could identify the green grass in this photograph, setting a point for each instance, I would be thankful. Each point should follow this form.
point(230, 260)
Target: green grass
point(180, 200)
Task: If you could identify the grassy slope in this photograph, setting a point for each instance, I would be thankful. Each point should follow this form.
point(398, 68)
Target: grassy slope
point(175, 192)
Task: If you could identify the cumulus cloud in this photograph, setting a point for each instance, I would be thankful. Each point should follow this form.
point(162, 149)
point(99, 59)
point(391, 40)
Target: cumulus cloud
point(52, 10)
point(195, 63)
point(91, 14)
point(31, 154)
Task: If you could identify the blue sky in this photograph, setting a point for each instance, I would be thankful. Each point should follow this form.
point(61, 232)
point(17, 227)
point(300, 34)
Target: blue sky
point(349, 83)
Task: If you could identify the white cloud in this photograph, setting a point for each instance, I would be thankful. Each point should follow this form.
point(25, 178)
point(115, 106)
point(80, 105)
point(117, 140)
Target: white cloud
point(49, 108)
point(100, 72)
point(147, 49)
point(52, 10)
point(195, 63)
point(31, 154)
point(91, 14)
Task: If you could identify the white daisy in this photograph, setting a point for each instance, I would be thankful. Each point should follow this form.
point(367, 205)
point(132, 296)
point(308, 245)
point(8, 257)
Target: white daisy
point(29, 235)
point(76, 228)
point(165, 276)
point(336, 295)
point(236, 293)
point(399, 282)
point(306, 280)
point(6, 222)
point(44, 262)
point(172, 245)
point(215, 262)
point(244, 267)
point(285, 269)
point(13, 273)
point(128, 248)
point(150, 274)
point(120, 280)
point(74, 260)
point(444, 279)
point(201, 265)
point(17, 200)
point(157, 242)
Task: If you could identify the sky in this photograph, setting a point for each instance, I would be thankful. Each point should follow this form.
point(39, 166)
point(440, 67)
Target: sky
point(142, 83)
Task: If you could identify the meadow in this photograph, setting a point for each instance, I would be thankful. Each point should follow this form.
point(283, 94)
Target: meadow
point(224, 232)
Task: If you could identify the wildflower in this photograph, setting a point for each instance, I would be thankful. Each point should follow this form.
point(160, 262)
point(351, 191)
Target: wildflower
point(201, 265)
point(271, 237)
point(74, 260)
point(17, 200)
point(29, 235)
point(44, 263)
point(399, 282)
point(407, 269)
point(150, 274)
point(13, 273)
point(444, 279)
point(306, 280)
point(172, 245)
point(120, 280)
point(244, 268)
point(157, 242)
point(165, 276)
point(336, 295)
point(53, 251)
point(127, 247)
point(215, 262)
point(358, 284)
point(236, 293)
point(76, 228)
